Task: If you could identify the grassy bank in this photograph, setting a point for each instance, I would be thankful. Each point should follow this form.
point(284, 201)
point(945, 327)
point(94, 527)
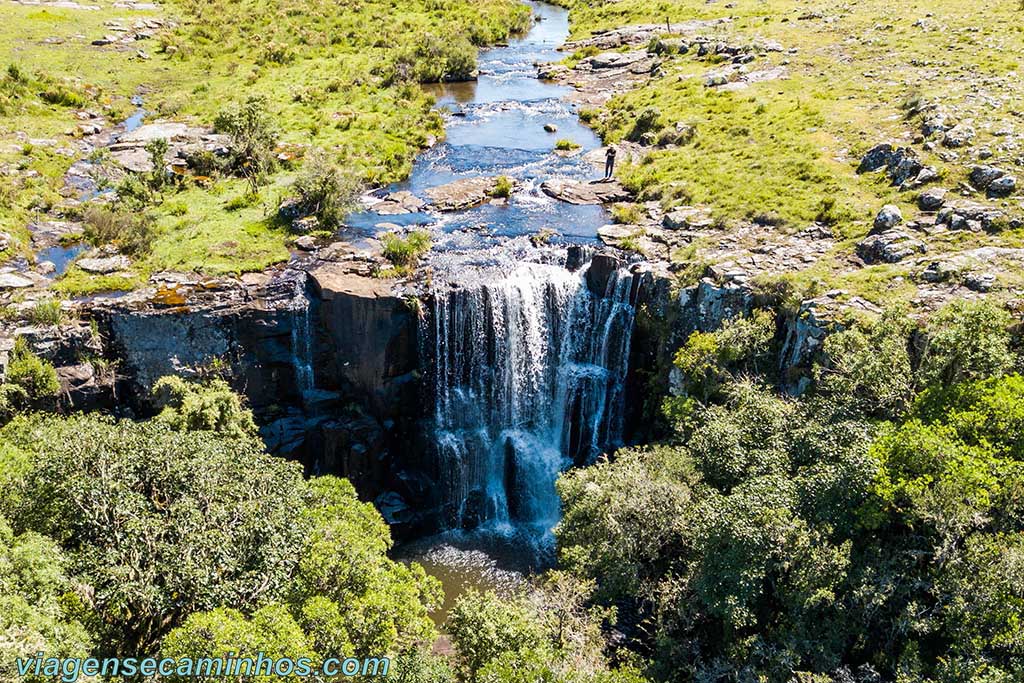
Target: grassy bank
point(341, 78)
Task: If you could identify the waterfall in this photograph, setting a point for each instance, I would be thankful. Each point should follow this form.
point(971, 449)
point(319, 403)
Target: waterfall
point(529, 371)
point(302, 347)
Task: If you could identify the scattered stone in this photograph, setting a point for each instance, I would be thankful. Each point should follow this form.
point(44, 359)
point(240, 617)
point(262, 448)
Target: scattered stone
point(889, 247)
point(14, 281)
point(968, 215)
point(306, 243)
point(889, 217)
point(687, 218)
point(932, 200)
point(46, 267)
point(104, 265)
point(5, 241)
point(980, 282)
point(959, 135)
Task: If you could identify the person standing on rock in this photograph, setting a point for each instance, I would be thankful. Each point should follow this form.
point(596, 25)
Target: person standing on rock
point(609, 162)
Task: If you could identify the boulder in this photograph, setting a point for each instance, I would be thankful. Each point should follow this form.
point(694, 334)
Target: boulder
point(615, 60)
point(687, 217)
point(889, 247)
point(959, 135)
point(14, 281)
point(461, 194)
point(104, 265)
point(305, 225)
point(306, 243)
point(876, 158)
point(1001, 187)
point(602, 267)
point(932, 200)
point(889, 217)
point(582, 192)
point(397, 203)
point(980, 282)
point(983, 176)
point(903, 165)
point(550, 128)
point(939, 271)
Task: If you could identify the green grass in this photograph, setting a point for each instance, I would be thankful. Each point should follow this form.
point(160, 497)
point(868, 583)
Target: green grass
point(327, 72)
point(784, 152)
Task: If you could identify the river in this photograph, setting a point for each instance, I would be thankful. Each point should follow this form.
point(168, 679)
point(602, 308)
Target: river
point(496, 126)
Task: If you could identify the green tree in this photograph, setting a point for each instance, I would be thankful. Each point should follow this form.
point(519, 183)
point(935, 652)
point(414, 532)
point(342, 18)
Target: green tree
point(225, 632)
point(869, 370)
point(484, 627)
point(350, 596)
point(37, 599)
point(966, 340)
point(163, 523)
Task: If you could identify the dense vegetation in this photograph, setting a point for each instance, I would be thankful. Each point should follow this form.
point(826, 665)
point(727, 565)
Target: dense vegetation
point(180, 536)
point(870, 530)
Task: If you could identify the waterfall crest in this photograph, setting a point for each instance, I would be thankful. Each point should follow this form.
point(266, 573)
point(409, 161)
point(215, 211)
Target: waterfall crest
point(528, 377)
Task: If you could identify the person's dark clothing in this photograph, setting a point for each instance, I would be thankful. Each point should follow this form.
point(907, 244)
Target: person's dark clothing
point(609, 162)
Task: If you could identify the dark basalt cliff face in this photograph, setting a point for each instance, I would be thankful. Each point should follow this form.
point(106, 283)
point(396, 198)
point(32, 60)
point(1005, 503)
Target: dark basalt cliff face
point(333, 364)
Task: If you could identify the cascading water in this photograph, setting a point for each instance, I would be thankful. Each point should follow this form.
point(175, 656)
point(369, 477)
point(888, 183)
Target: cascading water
point(302, 347)
point(529, 370)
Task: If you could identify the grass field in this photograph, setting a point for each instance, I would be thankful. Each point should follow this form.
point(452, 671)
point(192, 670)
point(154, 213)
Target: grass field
point(785, 152)
point(336, 76)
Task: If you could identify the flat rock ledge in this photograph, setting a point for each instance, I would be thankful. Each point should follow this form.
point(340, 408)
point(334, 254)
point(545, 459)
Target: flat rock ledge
point(462, 194)
point(585, 192)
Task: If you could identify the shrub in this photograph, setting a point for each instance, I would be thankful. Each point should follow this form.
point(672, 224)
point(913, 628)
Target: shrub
point(324, 191)
point(647, 121)
point(966, 341)
point(502, 188)
point(405, 252)
point(565, 145)
point(429, 58)
point(37, 377)
point(186, 406)
point(132, 233)
point(706, 360)
point(627, 214)
point(253, 138)
point(46, 312)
